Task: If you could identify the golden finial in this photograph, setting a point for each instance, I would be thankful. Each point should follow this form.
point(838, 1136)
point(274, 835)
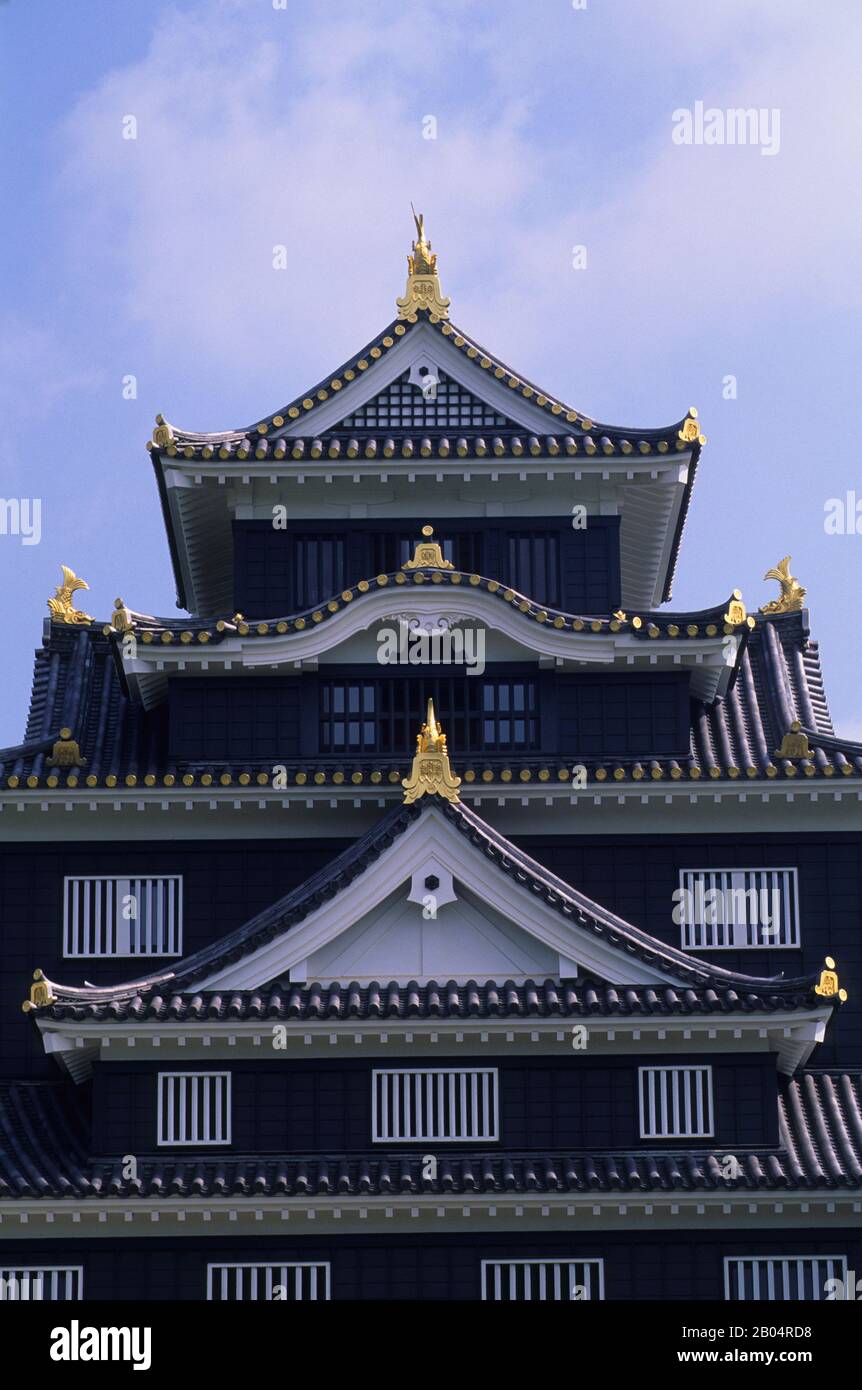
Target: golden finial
point(40, 993)
point(62, 605)
point(66, 752)
point(794, 743)
point(431, 774)
point(427, 555)
point(827, 985)
point(792, 592)
point(423, 285)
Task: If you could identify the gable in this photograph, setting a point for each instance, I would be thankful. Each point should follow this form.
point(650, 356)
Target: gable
point(461, 940)
point(432, 856)
point(405, 404)
point(423, 349)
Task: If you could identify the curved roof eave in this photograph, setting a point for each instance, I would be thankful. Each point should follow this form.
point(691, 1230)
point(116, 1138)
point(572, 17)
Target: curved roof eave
point(338, 877)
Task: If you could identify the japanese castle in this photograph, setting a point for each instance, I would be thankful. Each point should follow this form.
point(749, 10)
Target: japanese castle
point(429, 911)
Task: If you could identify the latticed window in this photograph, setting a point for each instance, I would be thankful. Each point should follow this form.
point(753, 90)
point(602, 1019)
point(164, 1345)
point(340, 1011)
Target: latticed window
point(675, 1102)
point(534, 565)
point(41, 1283)
point(317, 569)
point(405, 406)
point(783, 1278)
point(117, 916)
point(739, 909)
point(443, 1105)
point(287, 1282)
point(380, 715)
point(194, 1108)
point(526, 1281)
point(509, 715)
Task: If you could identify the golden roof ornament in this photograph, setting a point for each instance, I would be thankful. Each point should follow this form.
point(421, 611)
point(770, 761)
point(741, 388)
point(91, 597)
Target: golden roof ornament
point(794, 743)
point(431, 774)
point(792, 592)
point(423, 285)
point(163, 433)
point(691, 429)
point(66, 752)
point(40, 993)
point(62, 605)
point(827, 985)
point(121, 618)
point(427, 554)
point(736, 613)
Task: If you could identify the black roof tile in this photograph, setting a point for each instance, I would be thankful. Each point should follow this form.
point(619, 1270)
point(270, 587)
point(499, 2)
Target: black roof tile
point(701, 987)
point(44, 1153)
point(78, 684)
point(446, 1000)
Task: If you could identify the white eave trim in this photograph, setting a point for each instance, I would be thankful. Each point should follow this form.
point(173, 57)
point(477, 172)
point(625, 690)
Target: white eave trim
point(708, 658)
point(801, 1209)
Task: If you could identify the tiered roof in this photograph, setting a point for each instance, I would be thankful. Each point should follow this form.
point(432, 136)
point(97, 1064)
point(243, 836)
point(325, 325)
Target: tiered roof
point(694, 986)
point(485, 420)
point(79, 686)
point(46, 1152)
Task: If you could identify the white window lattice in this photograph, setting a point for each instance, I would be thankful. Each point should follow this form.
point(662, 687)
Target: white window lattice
point(434, 1104)
point(116, 916)
point(402, 405)
point(781, 1278)
point(524, 1281)
point(675, 1102)
point(290, 1282)
point(41, 1283)
point(739, 909)
point(194, 1107)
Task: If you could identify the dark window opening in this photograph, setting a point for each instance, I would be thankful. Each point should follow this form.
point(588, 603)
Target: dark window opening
point(534, 565)
point(391, 550)
point(317, 569)
point(382, 716)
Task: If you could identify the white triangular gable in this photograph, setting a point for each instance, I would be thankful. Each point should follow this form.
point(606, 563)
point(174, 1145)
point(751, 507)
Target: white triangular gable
point(461, 940)
point(488, 925)
point(422, 345)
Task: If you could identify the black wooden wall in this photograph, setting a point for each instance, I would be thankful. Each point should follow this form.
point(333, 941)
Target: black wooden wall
point(222, 718)
point(226, 882)
point(266, 583)
point(571, 1101)
point(634, 876)
point(651, 1264)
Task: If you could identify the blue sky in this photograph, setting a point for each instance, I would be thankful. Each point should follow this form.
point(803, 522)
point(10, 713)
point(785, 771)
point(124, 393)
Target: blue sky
point(303, 126)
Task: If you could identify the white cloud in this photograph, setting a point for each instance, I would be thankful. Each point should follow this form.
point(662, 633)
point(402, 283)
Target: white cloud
point(262, 128)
